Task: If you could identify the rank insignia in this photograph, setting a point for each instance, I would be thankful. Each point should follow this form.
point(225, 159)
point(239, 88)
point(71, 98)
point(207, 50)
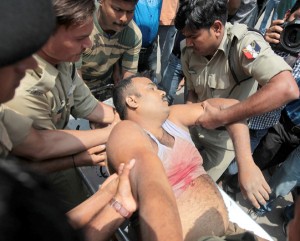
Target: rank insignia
point(35, 92)
point(252, 50)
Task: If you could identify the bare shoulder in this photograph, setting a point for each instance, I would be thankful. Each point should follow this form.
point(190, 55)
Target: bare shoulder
point(126, 141)
point(126, 133)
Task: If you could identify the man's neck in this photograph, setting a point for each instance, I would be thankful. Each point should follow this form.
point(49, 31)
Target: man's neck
point(156, 129)
point(102, 25)
point(46, 57)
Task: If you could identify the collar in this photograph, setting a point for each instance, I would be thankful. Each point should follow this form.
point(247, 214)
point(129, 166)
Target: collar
point(47, 74)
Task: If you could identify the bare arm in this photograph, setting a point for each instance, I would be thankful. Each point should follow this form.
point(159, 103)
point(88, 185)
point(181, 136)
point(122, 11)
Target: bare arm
point(103, 114)
point(148, 180)
point(252, 181)
point(98, 218)
point(253, 185)
point(282, 85)
point(48, 144)
point(94, 156)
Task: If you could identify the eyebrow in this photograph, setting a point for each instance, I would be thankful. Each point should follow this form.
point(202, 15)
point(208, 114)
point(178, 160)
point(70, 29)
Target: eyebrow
point(151, 85)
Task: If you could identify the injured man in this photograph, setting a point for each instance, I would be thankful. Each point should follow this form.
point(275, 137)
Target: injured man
point(167, 162)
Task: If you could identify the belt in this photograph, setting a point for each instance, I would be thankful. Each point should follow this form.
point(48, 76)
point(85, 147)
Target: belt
point(146, 49)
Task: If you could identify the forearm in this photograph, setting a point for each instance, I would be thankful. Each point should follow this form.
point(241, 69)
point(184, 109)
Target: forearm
point(151, 226)
point(278, 92)
point(81, 215)
point(103, 114)
point(52, 165)
point(103, 225)
point(239, 134)
point(48, 144)
point(155, 195)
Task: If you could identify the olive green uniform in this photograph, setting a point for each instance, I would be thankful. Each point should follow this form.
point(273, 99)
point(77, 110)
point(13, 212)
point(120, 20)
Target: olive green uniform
point(97, 62)
point(48, 95)
point(213, 79)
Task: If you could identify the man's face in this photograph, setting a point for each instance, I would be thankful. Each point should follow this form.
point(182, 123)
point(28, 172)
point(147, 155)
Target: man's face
point(151, 100)
point(67, 44)
point(115, 15)
point(203, 41)
point(11, 75)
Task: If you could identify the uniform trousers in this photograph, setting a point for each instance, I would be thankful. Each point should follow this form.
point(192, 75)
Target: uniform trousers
point(216, 149)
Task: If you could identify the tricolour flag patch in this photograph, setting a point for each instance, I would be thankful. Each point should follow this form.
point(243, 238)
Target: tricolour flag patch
point(252, 50)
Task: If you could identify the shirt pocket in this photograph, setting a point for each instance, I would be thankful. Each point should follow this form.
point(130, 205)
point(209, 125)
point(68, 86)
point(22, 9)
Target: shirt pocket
point(195, 78)
point(220, 82)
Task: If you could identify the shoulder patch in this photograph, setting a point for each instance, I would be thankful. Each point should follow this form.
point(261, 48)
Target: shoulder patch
point(252, 50)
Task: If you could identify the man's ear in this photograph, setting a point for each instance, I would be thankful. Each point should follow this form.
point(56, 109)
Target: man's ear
point(217, 27)
point(131, 101)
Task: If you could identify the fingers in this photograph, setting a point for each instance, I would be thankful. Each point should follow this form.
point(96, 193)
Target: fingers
point(110, 184)
point(96, 149)
point(252, 199)
point(125, 168)
point(99, 159)
point(273, 34)
point(257, 196)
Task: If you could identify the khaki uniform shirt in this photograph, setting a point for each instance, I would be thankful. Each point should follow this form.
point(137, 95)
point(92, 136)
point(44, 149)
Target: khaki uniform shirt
point(212, 78)
point(48, 95)
point(14, 128)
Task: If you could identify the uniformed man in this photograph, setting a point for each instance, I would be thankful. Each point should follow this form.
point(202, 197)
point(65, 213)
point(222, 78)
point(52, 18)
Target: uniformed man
point(53, 90)
point(116, 43)
point(206, 61)
point(14, 61)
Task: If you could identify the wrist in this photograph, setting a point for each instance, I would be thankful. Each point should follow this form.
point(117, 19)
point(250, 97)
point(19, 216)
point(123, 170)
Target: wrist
point(119, 208)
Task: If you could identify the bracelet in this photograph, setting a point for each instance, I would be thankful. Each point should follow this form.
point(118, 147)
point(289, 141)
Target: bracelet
point(73, 161)
point(119, 208)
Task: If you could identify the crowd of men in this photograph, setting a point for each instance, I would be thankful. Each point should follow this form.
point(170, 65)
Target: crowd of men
point(63, 58)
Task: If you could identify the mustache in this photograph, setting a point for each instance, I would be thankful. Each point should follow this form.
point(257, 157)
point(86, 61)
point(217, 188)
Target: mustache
point(120, 24)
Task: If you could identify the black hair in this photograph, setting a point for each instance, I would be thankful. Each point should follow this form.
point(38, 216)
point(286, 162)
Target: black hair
point(197, 14)
point(121, 90)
